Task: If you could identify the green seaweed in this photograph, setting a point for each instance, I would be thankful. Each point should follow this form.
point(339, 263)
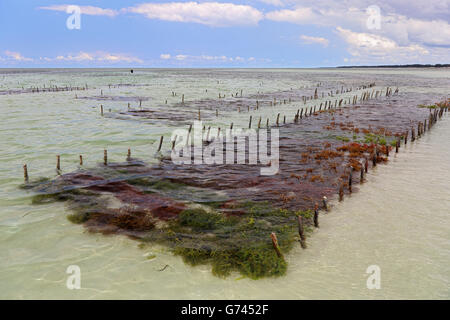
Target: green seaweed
point(343, 138)
point(78, 217)
point(228, 236)
point(241, 244)
point(433, 106)
point(199, 219)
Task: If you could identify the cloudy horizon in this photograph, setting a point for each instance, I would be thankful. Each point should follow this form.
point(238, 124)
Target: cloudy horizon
point(254, 33)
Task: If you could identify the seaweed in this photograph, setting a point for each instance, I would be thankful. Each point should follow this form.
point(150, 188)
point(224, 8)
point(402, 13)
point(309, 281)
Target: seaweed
point(236, 244)
point(228, 213)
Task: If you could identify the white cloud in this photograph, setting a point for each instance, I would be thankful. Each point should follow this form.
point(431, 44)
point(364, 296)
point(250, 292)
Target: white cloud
point(403, 30)
point(365, 47)
point(277, 3)
point(208, 13)
point(310, 39)
point(16, 56)
point(207, 59)
point(88, 10)
point(298, 16)
point(98, 56)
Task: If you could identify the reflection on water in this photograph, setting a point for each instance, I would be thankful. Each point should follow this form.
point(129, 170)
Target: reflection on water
point(398, 221)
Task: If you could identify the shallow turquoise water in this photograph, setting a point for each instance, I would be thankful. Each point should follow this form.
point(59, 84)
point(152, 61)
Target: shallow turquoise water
point(398, 221)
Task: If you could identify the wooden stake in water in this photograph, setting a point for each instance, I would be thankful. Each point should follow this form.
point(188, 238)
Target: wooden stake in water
point(350, 180)
point(101, 109)
point(316, 215)
point(175, 140)
point(81, 160)
point(160, 143)
point(275, 244)
point(58, 163)
point(105, 157)
point(301, 232)
point(129, 154)
point(250, 122)
point(25, 172)
point(341, 192)
point(325, 204)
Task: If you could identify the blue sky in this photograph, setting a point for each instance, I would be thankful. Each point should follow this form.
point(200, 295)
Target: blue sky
point(230, 33)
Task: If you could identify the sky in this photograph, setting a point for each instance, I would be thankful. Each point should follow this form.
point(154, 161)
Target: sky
point(229, 33)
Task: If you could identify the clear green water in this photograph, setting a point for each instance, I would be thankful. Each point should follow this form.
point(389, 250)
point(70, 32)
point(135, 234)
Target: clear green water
point(399, 220)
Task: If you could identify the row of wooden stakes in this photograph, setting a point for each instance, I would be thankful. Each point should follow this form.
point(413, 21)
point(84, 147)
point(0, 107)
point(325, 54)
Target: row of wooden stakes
point(421, 129)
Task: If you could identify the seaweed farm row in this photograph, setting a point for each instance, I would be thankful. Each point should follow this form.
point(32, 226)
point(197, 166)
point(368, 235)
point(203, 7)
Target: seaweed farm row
point(228, 215)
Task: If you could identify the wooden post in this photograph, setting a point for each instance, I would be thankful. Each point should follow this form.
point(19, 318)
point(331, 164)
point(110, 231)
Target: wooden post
point(129, 154)
point(182, 98)
point(301, 232)
point(278, 117)
point(160, 143)
point(324, 201)
point(25, 172)
point(250, 122)
point(175, 140)
point(101, 109)
point(58, 163)
point(341, 192)
point(81, 160)
point(275, 244)
point(316, 215)
point(207, 133)
point(350, 180)
point(105, 157)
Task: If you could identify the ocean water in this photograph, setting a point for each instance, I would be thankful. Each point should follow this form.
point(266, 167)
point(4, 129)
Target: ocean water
point(398, 221)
